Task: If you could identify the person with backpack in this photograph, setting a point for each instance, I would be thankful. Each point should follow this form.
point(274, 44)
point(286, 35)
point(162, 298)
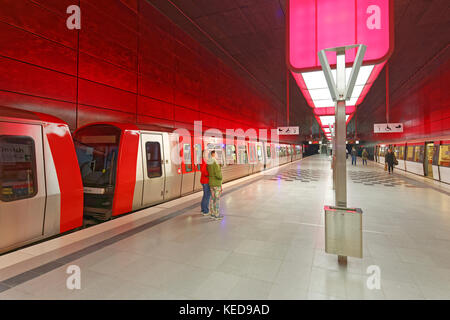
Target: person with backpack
point(215, 184)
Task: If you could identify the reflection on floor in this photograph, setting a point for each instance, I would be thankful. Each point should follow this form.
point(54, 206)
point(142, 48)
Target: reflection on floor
point(270, 245)
point(370, 178)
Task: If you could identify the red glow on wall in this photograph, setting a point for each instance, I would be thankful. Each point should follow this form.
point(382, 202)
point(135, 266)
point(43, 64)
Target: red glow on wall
point(128, 64)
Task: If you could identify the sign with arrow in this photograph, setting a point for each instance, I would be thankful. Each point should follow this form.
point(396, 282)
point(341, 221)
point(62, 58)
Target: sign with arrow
point(288, 130)
point(387, 127)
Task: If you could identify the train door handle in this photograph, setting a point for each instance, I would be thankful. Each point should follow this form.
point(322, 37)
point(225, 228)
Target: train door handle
point(167, 161)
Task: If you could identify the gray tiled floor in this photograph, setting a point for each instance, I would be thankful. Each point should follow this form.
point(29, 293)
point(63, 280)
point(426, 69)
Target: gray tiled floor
point(270, 245)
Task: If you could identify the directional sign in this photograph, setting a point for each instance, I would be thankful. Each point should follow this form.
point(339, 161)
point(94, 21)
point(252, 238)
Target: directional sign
point(288, 130)
point(387, 127)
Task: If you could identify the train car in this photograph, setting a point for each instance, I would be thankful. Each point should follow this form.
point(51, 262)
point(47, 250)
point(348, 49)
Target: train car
point(126, 167)
point(426, 158)
point(271, 159)
point(41, 193)
point(298, 153)
point(51, 181)
point(282, 151)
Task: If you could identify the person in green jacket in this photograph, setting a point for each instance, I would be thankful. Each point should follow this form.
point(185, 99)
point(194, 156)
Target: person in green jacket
point(215, 183)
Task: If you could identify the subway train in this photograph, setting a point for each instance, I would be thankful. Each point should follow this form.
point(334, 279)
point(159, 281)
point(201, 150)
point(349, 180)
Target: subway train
point(422, 157)
point(50, 181)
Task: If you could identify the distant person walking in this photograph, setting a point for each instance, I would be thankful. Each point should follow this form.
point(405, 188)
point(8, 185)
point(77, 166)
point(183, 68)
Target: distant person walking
point(365, 156)
point(354, 153)
point(215, 184)
point(204, 180)
point(390, 160)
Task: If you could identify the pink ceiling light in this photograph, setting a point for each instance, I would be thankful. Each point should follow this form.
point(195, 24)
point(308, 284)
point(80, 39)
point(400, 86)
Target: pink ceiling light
point(313, 25)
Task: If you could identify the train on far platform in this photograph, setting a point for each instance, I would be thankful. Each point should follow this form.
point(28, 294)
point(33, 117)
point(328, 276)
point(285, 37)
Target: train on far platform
point(50, 182)
point(422, 157)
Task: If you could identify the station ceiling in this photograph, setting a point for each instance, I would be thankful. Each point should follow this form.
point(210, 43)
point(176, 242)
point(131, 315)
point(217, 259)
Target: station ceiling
point(249, 35)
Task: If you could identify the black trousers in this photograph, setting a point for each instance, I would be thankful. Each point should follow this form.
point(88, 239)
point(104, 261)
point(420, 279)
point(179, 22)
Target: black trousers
point(391, 168)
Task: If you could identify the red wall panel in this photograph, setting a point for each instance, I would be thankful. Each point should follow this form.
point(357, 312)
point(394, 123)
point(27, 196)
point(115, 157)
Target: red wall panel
point(25, 46)
point(128, 63)
point(99, 20)
point(154, 89)
point(34, 18)
point(57, 6)
point(28, 79)
point(103, 48)
point(155, 108)
point(100, 71)
point(94, 94)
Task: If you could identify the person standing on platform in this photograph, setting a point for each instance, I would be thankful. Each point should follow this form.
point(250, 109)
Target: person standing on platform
point(390, 160)
point(204, 180)
point(215, 184)
point(354, 156)
point(365, 156)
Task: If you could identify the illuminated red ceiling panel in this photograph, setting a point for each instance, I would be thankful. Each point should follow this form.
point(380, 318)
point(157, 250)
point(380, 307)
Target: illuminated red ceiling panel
point(314, 25)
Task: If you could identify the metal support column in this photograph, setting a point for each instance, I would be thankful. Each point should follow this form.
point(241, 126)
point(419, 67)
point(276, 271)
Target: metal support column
point(340, 135)
point(339, 219)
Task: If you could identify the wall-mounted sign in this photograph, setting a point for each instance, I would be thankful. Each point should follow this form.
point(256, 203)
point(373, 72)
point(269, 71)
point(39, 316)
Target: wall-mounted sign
point(387, 127)
point(288, 130)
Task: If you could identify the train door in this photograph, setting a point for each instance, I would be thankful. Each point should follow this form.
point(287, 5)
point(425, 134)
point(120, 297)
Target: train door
point(188, 170)
point(198, 163)
point(154, 169)
point(428, 159)
point(22, 183)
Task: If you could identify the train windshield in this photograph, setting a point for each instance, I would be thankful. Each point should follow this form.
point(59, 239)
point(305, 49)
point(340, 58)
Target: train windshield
point(97, 150)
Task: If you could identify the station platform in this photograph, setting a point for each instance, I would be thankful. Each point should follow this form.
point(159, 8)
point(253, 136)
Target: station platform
point(270, 245)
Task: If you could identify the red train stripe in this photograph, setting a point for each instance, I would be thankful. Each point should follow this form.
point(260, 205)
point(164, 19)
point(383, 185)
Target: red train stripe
point(126, 172)
point(65, 160)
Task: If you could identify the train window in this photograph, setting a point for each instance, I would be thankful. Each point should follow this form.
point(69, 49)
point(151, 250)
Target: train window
point(268, 152)
point(242, 155)
point(418, 154)
point(97, 150)
point(252, 153)
point(231, 154)
point(395, 150)
point(17, 168)
point(444, 155)
point(259, 153)
point(153, 156)
point(219, 153)
point(187, 157)
point(410, 153)
point(198, 155)
point(436, 155)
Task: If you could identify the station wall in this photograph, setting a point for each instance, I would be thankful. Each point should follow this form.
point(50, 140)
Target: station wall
point(424, 110)
point(128, 63)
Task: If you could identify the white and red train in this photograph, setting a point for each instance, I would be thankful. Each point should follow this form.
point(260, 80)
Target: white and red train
point(422, 157)
point(49, 181)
